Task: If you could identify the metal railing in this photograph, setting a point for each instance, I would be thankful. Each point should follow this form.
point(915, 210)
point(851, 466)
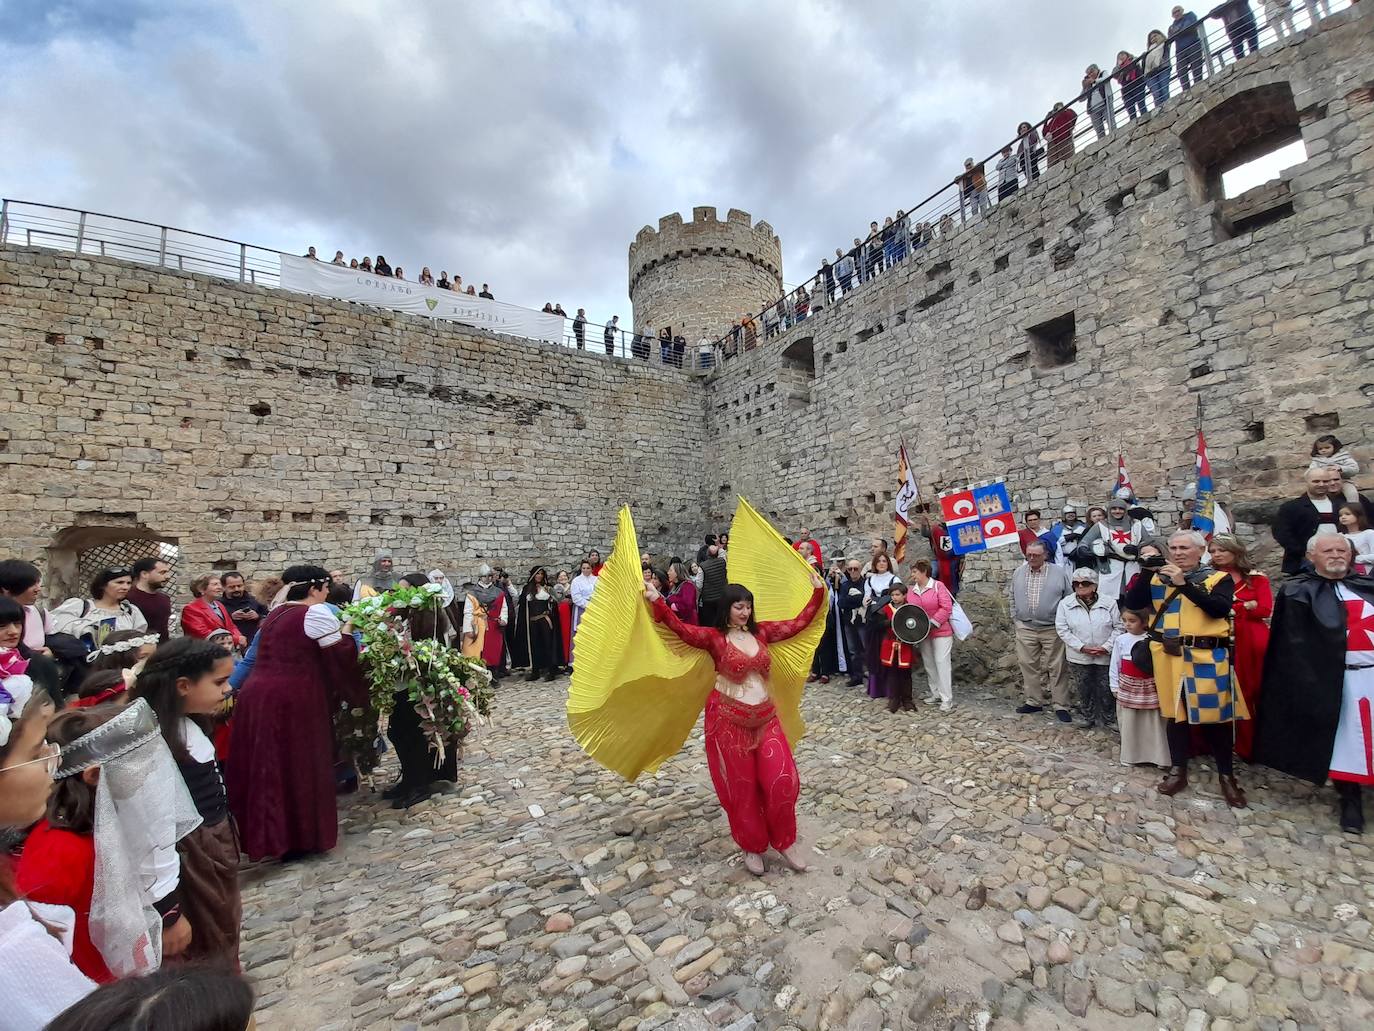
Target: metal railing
point(30, 224)
point(962, 202)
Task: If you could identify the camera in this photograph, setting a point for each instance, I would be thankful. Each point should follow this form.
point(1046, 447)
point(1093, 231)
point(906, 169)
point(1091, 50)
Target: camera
point(1152, 562)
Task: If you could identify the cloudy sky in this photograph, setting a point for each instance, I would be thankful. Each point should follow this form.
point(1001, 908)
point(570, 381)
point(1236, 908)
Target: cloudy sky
point(524, 143)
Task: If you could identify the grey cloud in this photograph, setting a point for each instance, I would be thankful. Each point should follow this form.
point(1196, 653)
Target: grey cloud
point(525, 144)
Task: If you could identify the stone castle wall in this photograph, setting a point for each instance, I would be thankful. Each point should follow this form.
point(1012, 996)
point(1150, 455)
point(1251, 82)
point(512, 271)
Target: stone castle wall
point(699, 276)
point(255, 427)
point(1089, 315)
point(1173, 302)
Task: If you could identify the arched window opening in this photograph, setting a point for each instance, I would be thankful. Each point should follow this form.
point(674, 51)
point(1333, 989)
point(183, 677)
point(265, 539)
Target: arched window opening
point(1237, 152)
point(1239, 131)
point(77, 553)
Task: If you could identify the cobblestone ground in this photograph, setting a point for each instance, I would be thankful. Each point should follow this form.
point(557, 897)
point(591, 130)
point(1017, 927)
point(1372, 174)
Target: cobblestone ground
point(972, 869)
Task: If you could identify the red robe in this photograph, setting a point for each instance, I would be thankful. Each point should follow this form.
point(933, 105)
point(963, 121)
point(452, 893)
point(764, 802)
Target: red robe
point(565, 627)
point(894, 652)
point(58, 867)
point(494, 642)
point(280, 772)
point(1252, 640)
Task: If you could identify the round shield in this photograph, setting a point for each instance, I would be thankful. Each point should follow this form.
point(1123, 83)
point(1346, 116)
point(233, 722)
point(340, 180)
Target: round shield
point(910, 624)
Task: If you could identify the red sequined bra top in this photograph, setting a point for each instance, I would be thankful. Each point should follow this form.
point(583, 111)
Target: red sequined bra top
point(732, 663)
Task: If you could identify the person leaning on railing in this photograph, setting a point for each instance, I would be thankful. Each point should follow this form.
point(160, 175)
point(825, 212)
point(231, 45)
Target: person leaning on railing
point(1008, 181)
point(1241, 27)
point(1099, 102)
point(1059, 133)
point(873, 251)
point(1189, 47)
point(844, 270)
point(1157, 68)
point(1131, 78)
point(1028, 151)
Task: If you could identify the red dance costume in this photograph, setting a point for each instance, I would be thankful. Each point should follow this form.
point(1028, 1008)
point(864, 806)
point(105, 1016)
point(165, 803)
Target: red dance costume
point(747, 752)
point(1252, 640)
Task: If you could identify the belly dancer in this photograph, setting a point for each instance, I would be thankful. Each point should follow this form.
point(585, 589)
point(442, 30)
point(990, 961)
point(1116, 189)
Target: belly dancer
point(747, 752)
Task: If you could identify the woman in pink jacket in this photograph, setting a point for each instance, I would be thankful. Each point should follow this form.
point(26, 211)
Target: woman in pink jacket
point(933, 596)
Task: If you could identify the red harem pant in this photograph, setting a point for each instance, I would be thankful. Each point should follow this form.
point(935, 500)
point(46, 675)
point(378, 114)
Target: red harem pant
point(753, 772)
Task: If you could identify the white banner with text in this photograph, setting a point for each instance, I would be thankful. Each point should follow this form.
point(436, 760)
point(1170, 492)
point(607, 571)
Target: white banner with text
point(307, 276)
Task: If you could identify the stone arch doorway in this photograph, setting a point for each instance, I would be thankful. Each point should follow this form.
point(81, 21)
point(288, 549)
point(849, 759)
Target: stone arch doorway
point(77, 553)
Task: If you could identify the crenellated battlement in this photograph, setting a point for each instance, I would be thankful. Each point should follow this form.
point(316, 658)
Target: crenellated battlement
point(706, 236)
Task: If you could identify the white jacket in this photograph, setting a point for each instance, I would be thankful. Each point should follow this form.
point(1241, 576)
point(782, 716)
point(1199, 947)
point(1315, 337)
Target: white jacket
point(1079, 627)
point(582, 587)
point(80, 618)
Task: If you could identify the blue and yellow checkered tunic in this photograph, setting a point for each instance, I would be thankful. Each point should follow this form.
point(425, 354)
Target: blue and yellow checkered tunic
point(1200, 680)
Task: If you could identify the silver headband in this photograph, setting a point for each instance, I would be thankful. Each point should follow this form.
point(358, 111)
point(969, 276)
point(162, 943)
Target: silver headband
point(134, 727)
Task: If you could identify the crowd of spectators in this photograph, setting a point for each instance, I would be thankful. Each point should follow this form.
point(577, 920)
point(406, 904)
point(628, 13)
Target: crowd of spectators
point(380, 267)
point(1190, 49)
point(1161, 634)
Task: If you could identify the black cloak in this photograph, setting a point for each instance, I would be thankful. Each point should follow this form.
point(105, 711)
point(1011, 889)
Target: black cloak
point(537, 641)
point(1304, 674)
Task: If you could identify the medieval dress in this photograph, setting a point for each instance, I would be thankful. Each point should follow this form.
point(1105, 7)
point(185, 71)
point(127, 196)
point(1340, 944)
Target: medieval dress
point(896, 659)
point(537, 641)
point(562, 598)
point(486, 617)
point(830, 659)
point(1318, 714)
point(1252, 641)
point(280, 772)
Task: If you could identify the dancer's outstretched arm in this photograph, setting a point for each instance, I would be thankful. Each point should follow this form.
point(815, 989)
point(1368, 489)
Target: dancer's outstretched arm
point(782, 629)
point(696, 636)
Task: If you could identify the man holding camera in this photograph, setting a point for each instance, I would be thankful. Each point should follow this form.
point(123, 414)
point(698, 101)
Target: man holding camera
point(1190, 647)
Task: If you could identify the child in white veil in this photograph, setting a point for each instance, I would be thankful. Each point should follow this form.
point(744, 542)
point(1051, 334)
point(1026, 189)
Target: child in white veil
point(107, 848)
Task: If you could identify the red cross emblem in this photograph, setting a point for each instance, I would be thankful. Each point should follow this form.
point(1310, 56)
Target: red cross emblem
point(1121, 536)
point(1359, 625)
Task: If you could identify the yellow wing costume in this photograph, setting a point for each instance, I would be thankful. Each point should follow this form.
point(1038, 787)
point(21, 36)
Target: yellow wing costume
point(780, 580)
point(637, 690)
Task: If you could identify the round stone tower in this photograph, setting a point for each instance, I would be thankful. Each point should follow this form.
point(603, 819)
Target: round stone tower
point(699, 276)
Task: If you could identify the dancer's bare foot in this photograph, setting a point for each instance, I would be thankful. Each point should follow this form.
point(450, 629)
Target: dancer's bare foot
point(753, 862)
point(794, 858)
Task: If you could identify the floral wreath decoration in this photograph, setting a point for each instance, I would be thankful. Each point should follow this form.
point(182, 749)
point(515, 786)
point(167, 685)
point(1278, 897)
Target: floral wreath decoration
point(451, 692)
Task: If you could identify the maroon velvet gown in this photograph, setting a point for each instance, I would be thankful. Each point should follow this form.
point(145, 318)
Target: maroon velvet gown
point(280, 772)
